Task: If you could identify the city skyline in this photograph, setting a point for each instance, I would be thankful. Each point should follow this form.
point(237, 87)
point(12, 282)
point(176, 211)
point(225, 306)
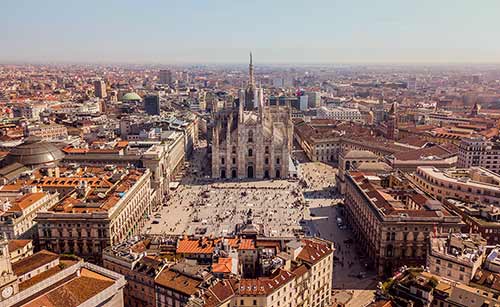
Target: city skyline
point(220, 32)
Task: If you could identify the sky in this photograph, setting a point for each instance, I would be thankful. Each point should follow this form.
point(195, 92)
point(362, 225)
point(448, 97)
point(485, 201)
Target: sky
point(224, 31)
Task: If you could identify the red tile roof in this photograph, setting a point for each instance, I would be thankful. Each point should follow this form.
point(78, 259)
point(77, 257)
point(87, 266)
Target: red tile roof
point(313, 251)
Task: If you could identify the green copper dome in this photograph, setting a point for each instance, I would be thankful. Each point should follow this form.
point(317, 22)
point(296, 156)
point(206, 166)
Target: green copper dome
point(131, 97)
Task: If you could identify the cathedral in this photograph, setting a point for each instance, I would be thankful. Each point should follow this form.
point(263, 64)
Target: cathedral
point(252, 139)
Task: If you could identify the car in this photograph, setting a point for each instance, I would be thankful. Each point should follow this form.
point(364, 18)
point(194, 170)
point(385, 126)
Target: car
point(155, 222)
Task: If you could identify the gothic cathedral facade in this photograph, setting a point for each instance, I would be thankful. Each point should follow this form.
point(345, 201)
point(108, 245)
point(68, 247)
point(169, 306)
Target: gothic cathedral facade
point(252, 139)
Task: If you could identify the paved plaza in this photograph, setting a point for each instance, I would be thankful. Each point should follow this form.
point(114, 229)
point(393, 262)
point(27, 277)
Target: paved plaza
point(216, 208)
point(285, 208)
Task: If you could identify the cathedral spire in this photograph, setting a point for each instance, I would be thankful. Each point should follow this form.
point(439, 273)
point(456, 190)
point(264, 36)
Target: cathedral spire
point(251, 80)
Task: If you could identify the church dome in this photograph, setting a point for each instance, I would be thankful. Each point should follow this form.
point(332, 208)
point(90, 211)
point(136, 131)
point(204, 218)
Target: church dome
point(34, 152)
point(131, 97)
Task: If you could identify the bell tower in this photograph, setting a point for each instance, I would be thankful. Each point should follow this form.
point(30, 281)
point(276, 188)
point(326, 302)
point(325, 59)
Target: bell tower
point(8, 280)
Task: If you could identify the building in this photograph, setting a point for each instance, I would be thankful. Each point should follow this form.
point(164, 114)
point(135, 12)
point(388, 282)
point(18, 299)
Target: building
point(152, 104)
point(230, 271)
point(107, 206)
point(252, 141)
point(392, 220)
point(180, 283)
point(478, 151)
point(314, 99)
point(478, 217)
point(350, 160)
point(164, 157)
point(139, 269)
point(165, 76)
point(31, 110)
point(412, 84)
point(47, 279)
point(474, 184)
point(48, 132)
point(415, 287)
point(339, 113)
point(17, 218)
point(319, 139)
point(100, 89)
point(34, 153)
point(19, 249)
point(439, 156)
point(456, 256)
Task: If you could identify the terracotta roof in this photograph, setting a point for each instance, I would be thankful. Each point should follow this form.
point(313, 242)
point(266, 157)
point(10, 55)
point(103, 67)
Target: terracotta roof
point(26, 201)
point(74, 292)
point(312, 251)
point(421, 153)
point(33, 262)
point(224, 265)
point(44, 275)
point(219, 293)
point(300, 270)
point(191, 246)
point(178, 282)
point(238, 243)
point(264, 286)
point(17, 244)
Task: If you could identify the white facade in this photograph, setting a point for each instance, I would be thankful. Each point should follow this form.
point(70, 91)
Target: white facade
point(339, 114)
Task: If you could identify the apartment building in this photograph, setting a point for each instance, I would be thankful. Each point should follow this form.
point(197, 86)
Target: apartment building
point(479, 151)
point(339, 113)
point(478, 218)
point(104, 207)
point(230, 271)
point(474, 184)
point(456, 256)
point(48, 279)
point(392, 220)
point(17, 217)
point(48, 132)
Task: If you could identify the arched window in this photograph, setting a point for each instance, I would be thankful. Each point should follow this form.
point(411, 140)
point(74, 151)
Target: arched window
point(250, 152)
point(250, 136)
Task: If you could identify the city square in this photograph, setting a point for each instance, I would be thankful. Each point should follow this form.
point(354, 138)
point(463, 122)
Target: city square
point(203, 154)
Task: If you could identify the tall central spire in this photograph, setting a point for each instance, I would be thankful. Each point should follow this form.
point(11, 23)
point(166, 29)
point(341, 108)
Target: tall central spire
point(251, 81)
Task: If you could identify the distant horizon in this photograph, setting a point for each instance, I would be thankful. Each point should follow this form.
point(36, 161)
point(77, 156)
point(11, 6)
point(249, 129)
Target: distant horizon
point(187, 32)
point(257, 64)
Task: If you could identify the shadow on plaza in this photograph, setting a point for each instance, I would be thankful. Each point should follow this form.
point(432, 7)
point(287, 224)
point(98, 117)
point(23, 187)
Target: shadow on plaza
point(326, 192)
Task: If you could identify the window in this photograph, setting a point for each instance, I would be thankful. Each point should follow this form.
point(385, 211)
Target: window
point(254, 302)
point(250, 152)
point(250, 136)
point(277, 160)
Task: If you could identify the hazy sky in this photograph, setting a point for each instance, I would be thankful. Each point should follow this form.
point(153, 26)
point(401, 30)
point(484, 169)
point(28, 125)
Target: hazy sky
point(223, 31)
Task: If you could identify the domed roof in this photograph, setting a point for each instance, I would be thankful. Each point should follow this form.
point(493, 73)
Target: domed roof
point(131, 97)
point(34, 152)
